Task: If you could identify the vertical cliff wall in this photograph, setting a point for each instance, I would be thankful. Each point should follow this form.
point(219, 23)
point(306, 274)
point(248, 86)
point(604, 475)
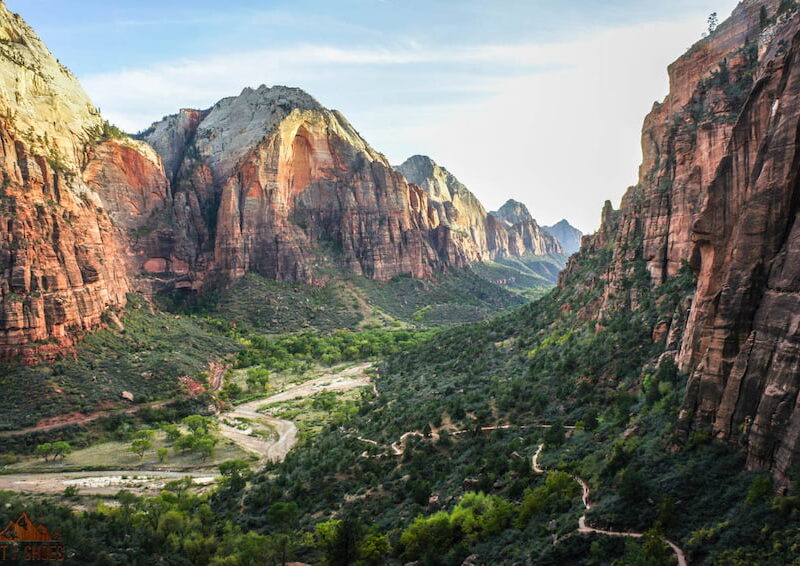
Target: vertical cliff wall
point(718, 193)
point(280, 186)
point(60, 266)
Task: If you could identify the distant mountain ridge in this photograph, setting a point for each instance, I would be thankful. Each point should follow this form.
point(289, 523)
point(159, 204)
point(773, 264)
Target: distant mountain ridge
point(567, 234)
point(484, 236)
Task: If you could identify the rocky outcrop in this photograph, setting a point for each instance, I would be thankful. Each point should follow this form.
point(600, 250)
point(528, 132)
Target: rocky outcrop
point(568, 236)
point(525, 236)
point(60, 266)
point(278, 185)
point(482, 236)
point(718, 192)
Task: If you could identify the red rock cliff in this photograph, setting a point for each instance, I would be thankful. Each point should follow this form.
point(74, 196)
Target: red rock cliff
point(278, 185)
point(60, 266)
point(718, 190)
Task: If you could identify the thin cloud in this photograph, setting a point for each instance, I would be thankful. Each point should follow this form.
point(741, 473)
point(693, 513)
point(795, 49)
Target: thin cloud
point(555, 125)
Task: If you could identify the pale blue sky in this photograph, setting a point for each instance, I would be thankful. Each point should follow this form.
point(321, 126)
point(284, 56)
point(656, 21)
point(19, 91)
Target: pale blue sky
point(539, 100)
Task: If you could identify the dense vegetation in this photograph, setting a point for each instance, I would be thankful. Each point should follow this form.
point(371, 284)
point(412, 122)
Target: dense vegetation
point(146, 357)
point(298, 351)
point(460, 486)
point(254, 304)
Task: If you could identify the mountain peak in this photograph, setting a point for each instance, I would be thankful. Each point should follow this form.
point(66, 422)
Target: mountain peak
point(228, 130)
point(285, 96)
point(567, 234)
point(513, 212)
point(441, 185)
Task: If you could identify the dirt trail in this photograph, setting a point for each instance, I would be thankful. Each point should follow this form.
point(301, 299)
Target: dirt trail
point(584, 528)
point(275, 449)
point(100, 483)
point(78, 418)
point(399, 445)
point(217, 372)
point(152, 481)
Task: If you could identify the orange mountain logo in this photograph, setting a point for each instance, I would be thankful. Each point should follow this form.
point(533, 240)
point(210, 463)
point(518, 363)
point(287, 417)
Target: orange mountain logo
point(28, 541)
point(25, 530)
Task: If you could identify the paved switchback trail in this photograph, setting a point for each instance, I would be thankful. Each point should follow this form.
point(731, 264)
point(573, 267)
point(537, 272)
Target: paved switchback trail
point(585, 529)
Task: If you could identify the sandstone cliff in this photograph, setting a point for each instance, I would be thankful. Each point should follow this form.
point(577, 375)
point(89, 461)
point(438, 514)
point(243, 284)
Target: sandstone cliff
point(482, 236)
point(60, 266)
point(273, 183)
point(718, 192)
point(524, 233)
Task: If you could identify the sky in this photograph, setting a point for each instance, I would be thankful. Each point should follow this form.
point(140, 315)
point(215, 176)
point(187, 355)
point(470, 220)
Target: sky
point(537, 100)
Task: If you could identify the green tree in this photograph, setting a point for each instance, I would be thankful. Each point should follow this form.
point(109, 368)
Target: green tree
point(204, 445)
point(235, 474)
point(713, 22)
point(61, 449)
point(140, 445)
point(44, 450)
point(763, 17)
point(373, 550)
point(197, 424)
point(283, 515)
point(339, 540)
point(427, 537)
point(162, 454)
point(760, 490)
point(172, 432)
point(185, 442)
point(632, 485)
point(555, 435)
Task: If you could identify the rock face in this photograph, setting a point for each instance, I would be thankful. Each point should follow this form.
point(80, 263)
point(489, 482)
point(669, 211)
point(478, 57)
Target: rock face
point(568, 236)
point(718, 191)
point(268, 182)
point(513, 212)
point(525, 236)
point(273, 183)
point(482, 236)
point(60, 266)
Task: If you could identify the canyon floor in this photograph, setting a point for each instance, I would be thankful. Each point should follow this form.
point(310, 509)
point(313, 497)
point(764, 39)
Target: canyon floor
point(266, 437)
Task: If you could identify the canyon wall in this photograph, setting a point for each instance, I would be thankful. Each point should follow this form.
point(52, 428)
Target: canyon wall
point(278, 185)
point(482, 236)
point(718, 194)
point(60, 262)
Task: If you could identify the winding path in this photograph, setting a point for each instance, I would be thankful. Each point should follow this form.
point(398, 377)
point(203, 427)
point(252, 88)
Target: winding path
point(398, 446)
point(152, 481)
point(275, 448)
point(584, 528)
